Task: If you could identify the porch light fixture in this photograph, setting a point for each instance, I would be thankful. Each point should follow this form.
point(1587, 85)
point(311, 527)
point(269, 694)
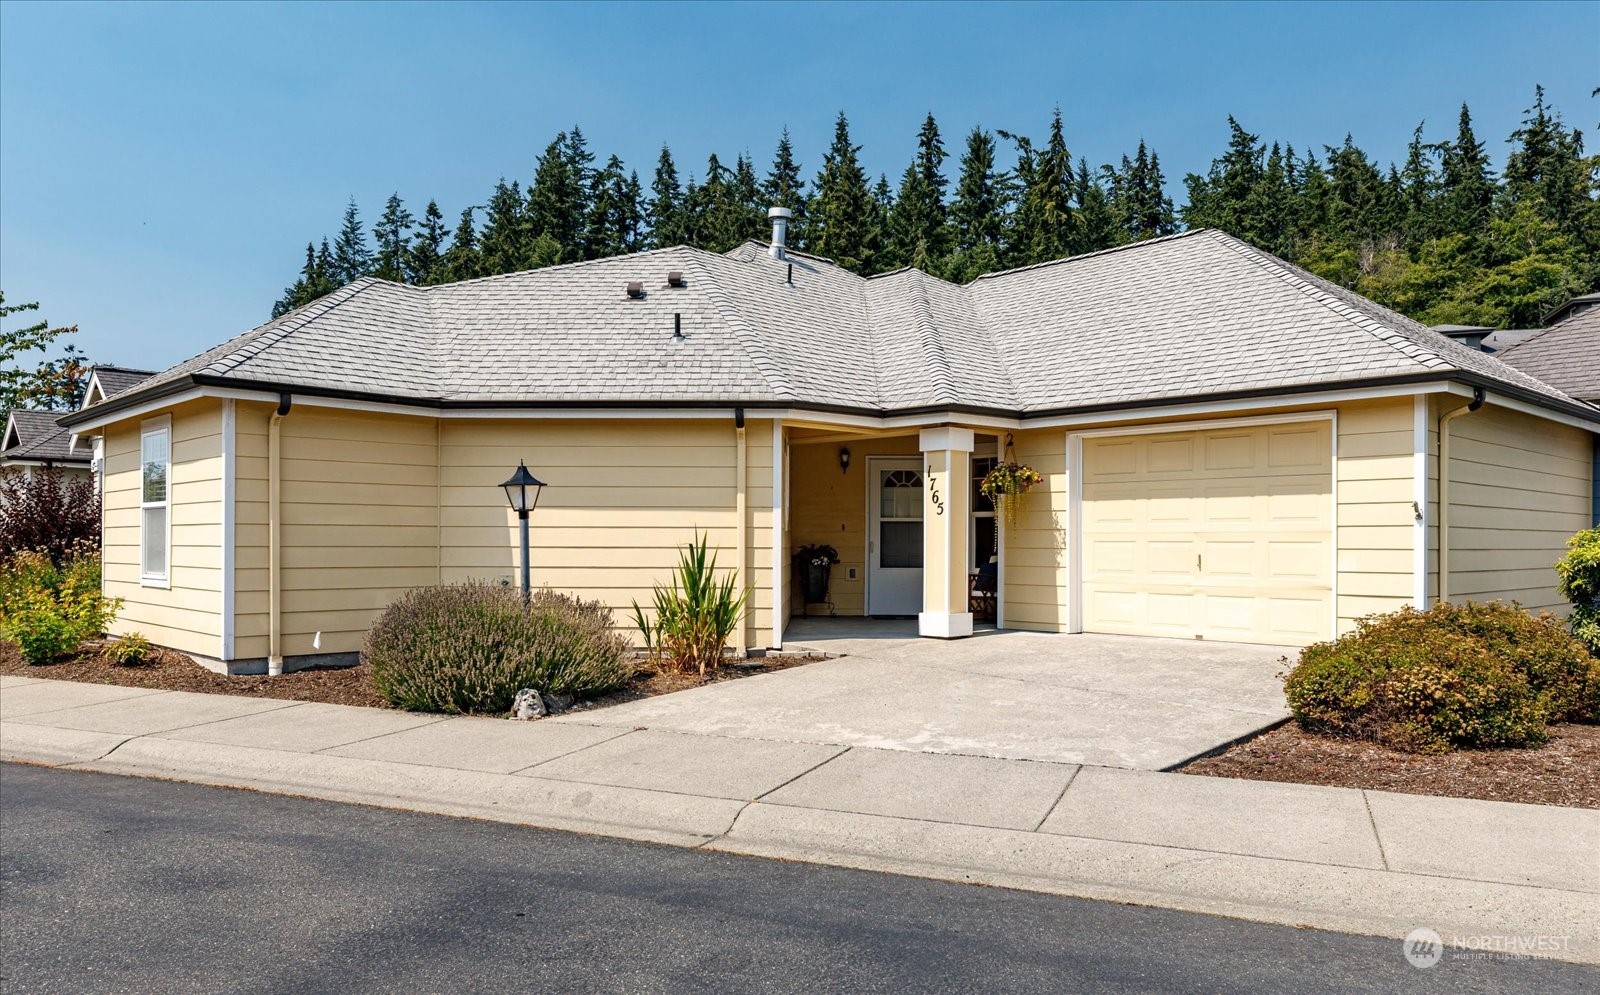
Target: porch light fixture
point(522, 490)
point(844, 460)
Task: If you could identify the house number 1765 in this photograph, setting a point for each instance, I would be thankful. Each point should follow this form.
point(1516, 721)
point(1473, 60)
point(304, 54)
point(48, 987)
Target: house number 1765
point(933, 492)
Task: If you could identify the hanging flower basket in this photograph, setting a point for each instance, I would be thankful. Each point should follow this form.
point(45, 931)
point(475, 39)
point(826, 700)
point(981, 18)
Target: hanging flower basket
point(1005, 485)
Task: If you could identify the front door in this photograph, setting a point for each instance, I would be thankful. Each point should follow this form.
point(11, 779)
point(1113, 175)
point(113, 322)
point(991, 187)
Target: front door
point(894, 537)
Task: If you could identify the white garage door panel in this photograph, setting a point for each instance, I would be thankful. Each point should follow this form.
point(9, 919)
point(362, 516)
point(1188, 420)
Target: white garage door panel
point(1224, 534)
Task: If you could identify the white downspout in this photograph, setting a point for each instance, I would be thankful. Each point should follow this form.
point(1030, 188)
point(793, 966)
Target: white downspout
point(1444, 487)
point(275, 537)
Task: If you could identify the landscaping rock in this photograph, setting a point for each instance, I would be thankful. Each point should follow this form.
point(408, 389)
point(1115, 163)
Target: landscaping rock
point(557, 702)
point(529, 704)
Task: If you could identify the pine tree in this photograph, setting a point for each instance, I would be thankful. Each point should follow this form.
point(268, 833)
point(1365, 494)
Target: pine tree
point(505, 246)
point(606, 227)
point(919, 232)
point(1098, 228)
point(424, 261)
point(392, 234)
point(352, 260)
point(1227, 197)
point(1419, 193)
point(752, 215)
point(1044, 226)
point(841, 212)
point(1466, 182)
point(977, 212)
point(558, 202)
point(633, 214)
point(783, 187)
point(461, 261)
point(665, 211)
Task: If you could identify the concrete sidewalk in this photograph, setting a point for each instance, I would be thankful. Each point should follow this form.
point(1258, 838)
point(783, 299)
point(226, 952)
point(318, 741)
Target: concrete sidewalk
point(1332, 858)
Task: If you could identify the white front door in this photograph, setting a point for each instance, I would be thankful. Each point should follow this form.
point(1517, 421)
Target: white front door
point(894, 536)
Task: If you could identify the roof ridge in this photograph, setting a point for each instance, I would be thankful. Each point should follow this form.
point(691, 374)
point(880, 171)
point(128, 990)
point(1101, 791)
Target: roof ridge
point(777, 380)
point(788, 250)
point(1392, 337)
point(662, 250)
point(1087, 255)
point(291, 323)
point(1508, 350)
point(928, 333)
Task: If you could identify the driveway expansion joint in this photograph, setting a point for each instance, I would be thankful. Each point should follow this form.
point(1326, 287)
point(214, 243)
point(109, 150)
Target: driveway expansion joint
point(1057, 803)
point(1372, 821)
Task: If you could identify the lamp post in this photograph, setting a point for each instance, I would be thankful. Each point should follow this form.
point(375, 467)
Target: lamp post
point(522, 502)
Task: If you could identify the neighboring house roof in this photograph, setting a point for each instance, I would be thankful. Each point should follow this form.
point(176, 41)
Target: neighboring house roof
point(1486, 337)
point(34, 437)
point(1582, 302)
point(1166, 320)
point(109, 381)
point(1566, 355)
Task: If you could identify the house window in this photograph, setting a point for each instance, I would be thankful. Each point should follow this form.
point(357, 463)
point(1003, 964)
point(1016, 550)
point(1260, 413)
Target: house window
point(983, 539)
point(155, 502)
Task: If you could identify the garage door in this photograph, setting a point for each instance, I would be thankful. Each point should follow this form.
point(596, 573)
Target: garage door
point(1220, 534)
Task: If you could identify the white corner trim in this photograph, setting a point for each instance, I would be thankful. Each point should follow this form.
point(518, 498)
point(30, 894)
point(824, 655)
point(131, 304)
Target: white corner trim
point(1419, 497)
point(1074, 525)
point(947, 437)
point(780, 562)
point(944, 625)
point(229, 493)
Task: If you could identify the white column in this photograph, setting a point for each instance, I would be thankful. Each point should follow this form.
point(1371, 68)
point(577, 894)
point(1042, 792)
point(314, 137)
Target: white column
point(947, 467)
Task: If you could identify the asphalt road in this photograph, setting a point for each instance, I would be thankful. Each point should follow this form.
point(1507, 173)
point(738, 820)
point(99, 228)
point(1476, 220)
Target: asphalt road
point(112, 884)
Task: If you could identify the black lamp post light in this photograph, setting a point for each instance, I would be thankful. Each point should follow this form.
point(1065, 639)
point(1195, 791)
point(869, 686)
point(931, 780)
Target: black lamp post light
point(522, 490)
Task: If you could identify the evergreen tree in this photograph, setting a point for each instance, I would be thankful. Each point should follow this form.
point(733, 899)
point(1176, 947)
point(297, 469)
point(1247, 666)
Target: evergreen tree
point(1098, 228)
point(607, 227)
point(392, 234)
point(505, 245)
point(424, 261)
point(558, 201)
point(842, 211)
point(784, 187)
point(666, 209)
point(919, 232)
point(1227, 197)
point(977, 212)
point(1466, 182)
point(752, 215)
point(352, 260)
point(1419, 193)
point(633, 214)
point(1044, 226)
point(1138, 196)
point(462, 261)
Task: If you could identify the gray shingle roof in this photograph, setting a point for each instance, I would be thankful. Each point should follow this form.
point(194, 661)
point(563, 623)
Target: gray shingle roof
point(1566, 355)
point(116, 379)
point(1176, 318)
point(35, 436)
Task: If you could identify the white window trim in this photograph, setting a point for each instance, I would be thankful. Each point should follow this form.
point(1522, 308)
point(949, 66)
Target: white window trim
point(151, 426)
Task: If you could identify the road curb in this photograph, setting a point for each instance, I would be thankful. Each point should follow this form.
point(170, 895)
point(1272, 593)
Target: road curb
point(628, 813)
point(1261, 889)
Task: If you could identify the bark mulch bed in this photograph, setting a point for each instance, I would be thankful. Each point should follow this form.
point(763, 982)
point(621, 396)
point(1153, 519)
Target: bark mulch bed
point(1565, 771)
point(170, 671)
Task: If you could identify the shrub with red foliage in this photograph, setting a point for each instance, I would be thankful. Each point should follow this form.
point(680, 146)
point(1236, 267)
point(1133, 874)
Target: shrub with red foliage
point(49, 512)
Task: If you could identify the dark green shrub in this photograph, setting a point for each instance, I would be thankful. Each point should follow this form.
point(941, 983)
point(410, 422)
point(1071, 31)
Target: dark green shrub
point(470, 647)
point(1579, 575)
point(1455, 675)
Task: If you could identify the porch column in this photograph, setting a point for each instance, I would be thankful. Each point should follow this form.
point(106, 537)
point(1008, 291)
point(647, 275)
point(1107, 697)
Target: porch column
point(947, 460)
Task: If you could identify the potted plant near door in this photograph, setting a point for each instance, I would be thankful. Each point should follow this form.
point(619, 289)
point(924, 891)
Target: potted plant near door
point(813, 565)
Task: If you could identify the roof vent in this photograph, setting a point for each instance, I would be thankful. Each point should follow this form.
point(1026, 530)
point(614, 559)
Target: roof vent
point(779, 216)
point(677, 330)
point(636, 290)
point(675, 279)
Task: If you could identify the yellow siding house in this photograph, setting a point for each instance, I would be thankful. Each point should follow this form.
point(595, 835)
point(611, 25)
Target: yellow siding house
point(1230, 448)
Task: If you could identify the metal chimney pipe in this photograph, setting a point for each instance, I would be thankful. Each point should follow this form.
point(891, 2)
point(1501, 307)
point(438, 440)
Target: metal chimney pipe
point(779, 216)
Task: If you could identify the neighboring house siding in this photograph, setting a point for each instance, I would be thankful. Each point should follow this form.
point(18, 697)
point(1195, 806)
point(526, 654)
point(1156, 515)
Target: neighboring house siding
point(1520, 486)
point(622, 498)
point(187, 615)
point(359, 523)
point(1375, 478)
point(828, 507)
point(1035, 550)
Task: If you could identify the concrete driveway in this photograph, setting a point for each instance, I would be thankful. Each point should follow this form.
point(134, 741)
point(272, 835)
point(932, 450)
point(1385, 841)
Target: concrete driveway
point(1113, 701)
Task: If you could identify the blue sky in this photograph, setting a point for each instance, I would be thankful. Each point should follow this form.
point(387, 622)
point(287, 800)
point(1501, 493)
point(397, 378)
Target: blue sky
point(162, 166)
